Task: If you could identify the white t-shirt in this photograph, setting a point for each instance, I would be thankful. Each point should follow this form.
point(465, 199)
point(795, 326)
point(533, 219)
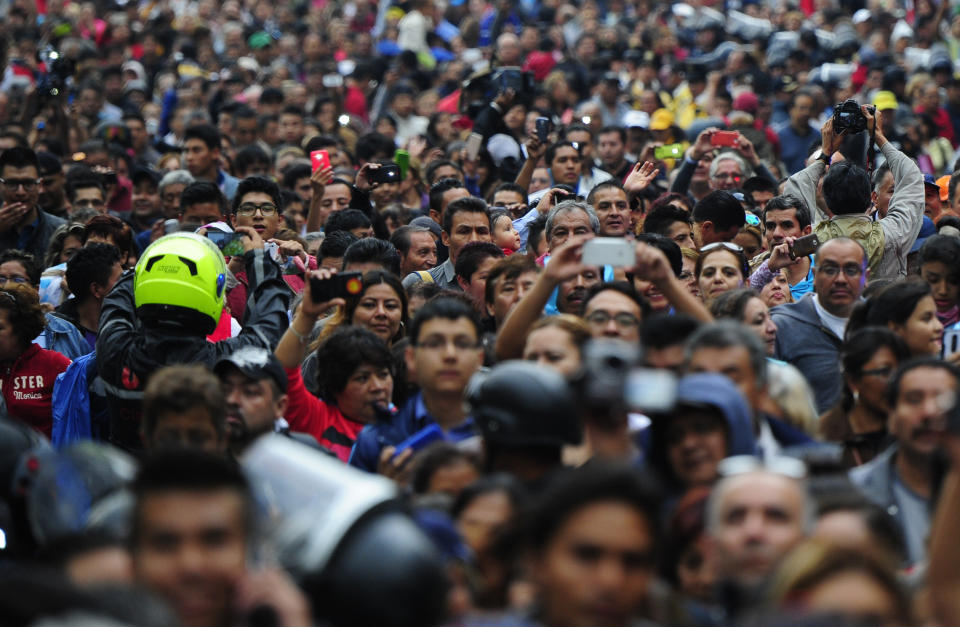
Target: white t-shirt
point(836, 324)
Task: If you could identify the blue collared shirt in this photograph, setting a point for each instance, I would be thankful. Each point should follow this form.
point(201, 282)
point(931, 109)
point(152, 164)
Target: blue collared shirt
point(409, 419)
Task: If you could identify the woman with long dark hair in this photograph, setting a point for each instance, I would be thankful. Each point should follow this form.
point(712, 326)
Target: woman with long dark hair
point(869, 356)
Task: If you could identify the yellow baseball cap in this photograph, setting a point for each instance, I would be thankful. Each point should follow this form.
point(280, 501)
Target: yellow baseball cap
point(661, 120)
point(885, 100)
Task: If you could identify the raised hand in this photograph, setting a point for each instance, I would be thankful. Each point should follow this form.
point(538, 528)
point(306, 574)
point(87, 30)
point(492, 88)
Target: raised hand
point(320, 179)
point(640, 177)
point(310, 308)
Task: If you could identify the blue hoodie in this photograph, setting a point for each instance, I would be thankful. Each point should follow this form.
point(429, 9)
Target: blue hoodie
point(707, 390)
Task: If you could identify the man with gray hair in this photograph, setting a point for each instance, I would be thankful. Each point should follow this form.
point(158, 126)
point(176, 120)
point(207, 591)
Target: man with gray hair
point(570, 217)
point(725, 171)
point(170, 187)
point(731, 349)
point(756, 515)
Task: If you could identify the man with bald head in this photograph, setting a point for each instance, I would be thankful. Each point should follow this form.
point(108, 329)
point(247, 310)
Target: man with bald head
point(810, 331)
point(754, 519)
point(508, 50)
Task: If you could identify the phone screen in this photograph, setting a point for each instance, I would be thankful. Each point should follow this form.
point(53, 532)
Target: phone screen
point(473, 145)
point(230, 243)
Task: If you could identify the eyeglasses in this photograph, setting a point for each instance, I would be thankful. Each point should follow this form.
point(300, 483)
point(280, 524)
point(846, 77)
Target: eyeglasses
point(686, 275)
point(28, 185)
point(727, 176)
point(780, 465)
point(622, 320)
point(851, 270)
point(19, 280)
point(734, 248)
point(249, 209)
point(436, 343)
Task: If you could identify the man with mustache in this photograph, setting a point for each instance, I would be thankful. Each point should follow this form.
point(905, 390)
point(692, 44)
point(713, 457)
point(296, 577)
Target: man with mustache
point(255, 390)
point(901, 479)
point(810, 330)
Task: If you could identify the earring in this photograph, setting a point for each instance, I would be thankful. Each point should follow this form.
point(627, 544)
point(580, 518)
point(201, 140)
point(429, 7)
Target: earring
point(856, 397)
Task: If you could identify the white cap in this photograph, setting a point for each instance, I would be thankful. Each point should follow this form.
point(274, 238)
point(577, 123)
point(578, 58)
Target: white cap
point(636, 118)
point(501, 146)
point(862, 16)
point(248, 63)
point(901, 30)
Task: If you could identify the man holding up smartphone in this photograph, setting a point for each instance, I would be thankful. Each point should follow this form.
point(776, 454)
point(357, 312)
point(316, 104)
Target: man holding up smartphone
point(785, 219)
point(698, 176)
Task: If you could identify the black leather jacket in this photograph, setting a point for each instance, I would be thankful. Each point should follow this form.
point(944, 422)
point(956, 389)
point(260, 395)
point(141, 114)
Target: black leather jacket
point(128, 352)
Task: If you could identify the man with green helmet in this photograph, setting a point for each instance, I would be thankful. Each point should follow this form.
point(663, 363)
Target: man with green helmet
point(161, 313)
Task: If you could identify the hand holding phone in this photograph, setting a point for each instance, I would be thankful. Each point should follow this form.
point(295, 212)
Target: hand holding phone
point(804, 246)
point(951, 342)
point(385, 174)
point(339, 286)
point(543, 129)
point(231, 244)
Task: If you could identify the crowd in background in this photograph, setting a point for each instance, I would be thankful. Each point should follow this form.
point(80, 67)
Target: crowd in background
point(455, 312)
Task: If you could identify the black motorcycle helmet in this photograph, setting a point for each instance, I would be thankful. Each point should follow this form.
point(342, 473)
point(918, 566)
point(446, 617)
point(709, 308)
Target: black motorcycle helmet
point(518, 403)
point(20, 451)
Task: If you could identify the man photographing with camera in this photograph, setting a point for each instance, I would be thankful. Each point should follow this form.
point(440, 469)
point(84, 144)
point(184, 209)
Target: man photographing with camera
point(846, 192)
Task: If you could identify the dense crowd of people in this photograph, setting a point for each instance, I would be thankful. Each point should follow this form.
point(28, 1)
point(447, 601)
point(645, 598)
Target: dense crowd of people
point(566, 313)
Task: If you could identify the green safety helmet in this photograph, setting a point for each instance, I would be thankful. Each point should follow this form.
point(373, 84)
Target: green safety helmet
point(180, 281)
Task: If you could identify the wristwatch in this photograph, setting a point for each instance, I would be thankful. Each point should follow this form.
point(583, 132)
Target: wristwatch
point(825, 158)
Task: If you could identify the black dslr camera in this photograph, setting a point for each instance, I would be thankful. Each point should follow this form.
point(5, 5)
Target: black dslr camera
point(848, 117)
point(51, 83)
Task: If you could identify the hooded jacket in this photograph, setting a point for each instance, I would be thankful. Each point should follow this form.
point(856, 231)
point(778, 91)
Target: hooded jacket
point(705, 390)
point(128, 353)
point(804, 341)
point(27, 386)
